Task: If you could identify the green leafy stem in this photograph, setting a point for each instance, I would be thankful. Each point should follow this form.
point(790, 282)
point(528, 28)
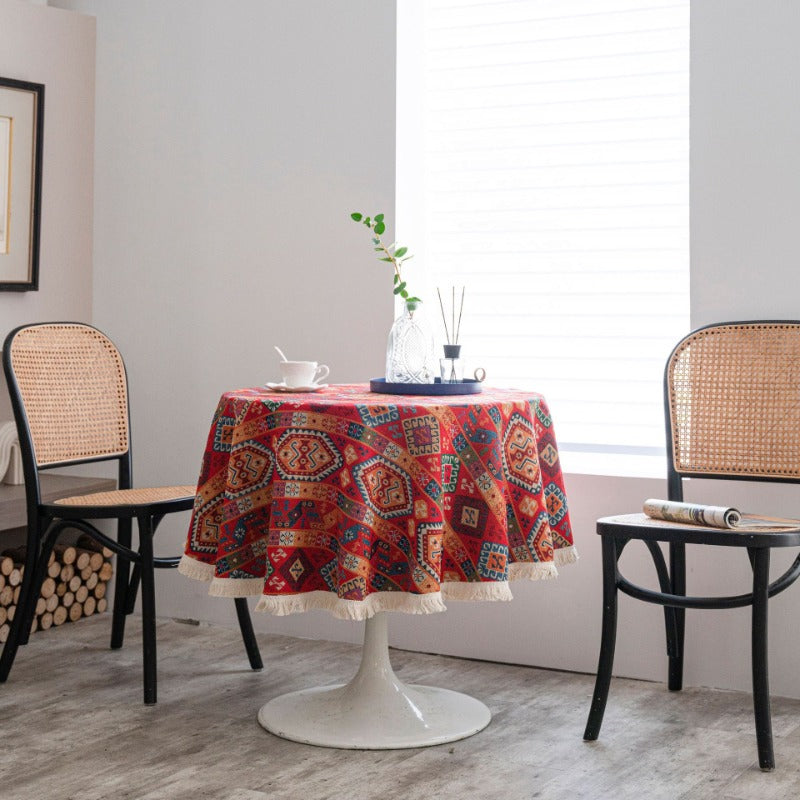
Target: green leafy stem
point(394, 255)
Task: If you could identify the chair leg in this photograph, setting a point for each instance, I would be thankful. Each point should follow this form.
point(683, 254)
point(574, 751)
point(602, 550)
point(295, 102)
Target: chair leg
point(608, 640)
point(246, 627)
point(677, 571)
point(761, 704)
point(32, 578)
point(665, 583)
point(147, 574)
point(121, 586)
point(27, 608)
point(132, 590)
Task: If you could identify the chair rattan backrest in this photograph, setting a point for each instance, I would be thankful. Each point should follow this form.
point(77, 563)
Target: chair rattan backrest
point(733, 396)
point(71, 380)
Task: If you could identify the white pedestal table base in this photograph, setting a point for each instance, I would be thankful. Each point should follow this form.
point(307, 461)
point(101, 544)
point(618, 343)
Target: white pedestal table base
point(375, 711)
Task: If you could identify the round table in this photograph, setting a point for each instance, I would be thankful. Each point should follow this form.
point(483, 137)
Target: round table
point(362, 503)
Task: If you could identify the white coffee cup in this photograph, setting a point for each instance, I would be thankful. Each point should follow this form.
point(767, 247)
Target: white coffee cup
point(303, 373)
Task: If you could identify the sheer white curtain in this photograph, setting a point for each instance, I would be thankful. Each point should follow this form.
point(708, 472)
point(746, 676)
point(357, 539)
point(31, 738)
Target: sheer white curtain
point(543, 164)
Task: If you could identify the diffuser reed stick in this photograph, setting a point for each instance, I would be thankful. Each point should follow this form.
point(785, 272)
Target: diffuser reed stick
point(444, 317)
point(460, 312)
point(452, 333)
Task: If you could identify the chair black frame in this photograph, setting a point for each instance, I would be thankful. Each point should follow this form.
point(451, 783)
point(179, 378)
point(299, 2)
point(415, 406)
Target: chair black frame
point(46, 522)
point(616, 532)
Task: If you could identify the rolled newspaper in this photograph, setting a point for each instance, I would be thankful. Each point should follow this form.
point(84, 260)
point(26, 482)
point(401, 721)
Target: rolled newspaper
point(693, 513)
point(715, 517)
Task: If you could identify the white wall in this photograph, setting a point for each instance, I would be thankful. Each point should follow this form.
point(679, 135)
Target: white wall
point(232, 141)
point(745, 160)
point(56, 48)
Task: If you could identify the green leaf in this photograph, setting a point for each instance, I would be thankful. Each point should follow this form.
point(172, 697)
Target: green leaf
point(387, 259)
point(403, 294)
point(356, 216)
point(401, 251)
point(401, 289)
point(414, 300)
point(376, 241)
point(367, 221)
point(396, 279)
point(379, 218)
point(380, 228)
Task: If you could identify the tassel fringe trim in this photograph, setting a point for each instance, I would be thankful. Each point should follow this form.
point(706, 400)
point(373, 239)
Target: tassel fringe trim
point(532, 571)
point(220, 587)
point(465, 591)
point(197, 570)
point(566, 555)
point(236, 587)
point(352, 609)
point(431, 603)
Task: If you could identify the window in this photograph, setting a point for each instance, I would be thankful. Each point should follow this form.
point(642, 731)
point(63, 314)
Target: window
point(543, 163)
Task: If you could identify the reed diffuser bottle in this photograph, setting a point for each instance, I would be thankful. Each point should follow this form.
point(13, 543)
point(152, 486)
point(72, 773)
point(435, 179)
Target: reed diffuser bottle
point(451, 367)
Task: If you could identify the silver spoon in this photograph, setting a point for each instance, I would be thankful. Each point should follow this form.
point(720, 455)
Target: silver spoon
point(280, 352)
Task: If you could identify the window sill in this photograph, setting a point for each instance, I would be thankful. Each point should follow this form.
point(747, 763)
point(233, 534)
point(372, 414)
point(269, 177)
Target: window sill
point(623, 465)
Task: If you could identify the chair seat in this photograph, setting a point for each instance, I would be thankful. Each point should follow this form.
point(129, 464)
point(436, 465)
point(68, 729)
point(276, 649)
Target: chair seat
point(640, 526)
point(130, 497)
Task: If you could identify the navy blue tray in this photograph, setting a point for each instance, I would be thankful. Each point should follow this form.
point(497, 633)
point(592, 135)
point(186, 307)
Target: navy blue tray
point(467, 386)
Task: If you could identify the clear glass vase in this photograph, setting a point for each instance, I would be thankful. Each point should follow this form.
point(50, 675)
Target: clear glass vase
point(409, 350)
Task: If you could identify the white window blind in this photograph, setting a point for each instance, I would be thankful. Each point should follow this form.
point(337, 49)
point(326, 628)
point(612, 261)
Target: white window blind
point(543, 163)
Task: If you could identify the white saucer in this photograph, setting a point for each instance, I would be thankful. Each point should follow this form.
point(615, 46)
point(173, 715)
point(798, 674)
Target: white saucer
point(282, 387)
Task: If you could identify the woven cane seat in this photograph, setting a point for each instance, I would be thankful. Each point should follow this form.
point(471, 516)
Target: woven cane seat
point(640, 526)
point(129, 497)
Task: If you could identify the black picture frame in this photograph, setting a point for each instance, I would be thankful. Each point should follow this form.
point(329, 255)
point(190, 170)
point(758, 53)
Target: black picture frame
point(21, 149)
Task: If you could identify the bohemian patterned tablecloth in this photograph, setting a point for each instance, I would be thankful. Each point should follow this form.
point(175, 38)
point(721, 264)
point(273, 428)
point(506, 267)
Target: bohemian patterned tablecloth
point(358, 502)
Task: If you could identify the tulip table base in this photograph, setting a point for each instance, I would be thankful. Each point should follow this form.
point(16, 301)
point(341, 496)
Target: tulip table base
point(375, 711)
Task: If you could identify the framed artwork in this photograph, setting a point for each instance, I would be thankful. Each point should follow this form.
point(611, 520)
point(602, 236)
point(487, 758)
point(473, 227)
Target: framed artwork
point(21, 127)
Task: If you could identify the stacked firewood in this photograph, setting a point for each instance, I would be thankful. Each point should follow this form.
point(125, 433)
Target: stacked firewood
point(75, 584)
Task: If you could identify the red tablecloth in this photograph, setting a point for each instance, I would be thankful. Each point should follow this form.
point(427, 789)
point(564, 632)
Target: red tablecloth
point(360, 502)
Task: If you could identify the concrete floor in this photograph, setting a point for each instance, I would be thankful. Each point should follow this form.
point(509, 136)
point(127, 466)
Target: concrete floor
point(74, 727)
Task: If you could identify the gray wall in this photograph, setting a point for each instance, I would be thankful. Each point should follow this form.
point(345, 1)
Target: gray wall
point(228, 159)
point(745, 160)
point(56, 48)
point(233, 139)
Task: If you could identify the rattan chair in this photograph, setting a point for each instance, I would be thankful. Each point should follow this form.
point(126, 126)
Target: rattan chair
point(732, 402)
point(69, 394)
